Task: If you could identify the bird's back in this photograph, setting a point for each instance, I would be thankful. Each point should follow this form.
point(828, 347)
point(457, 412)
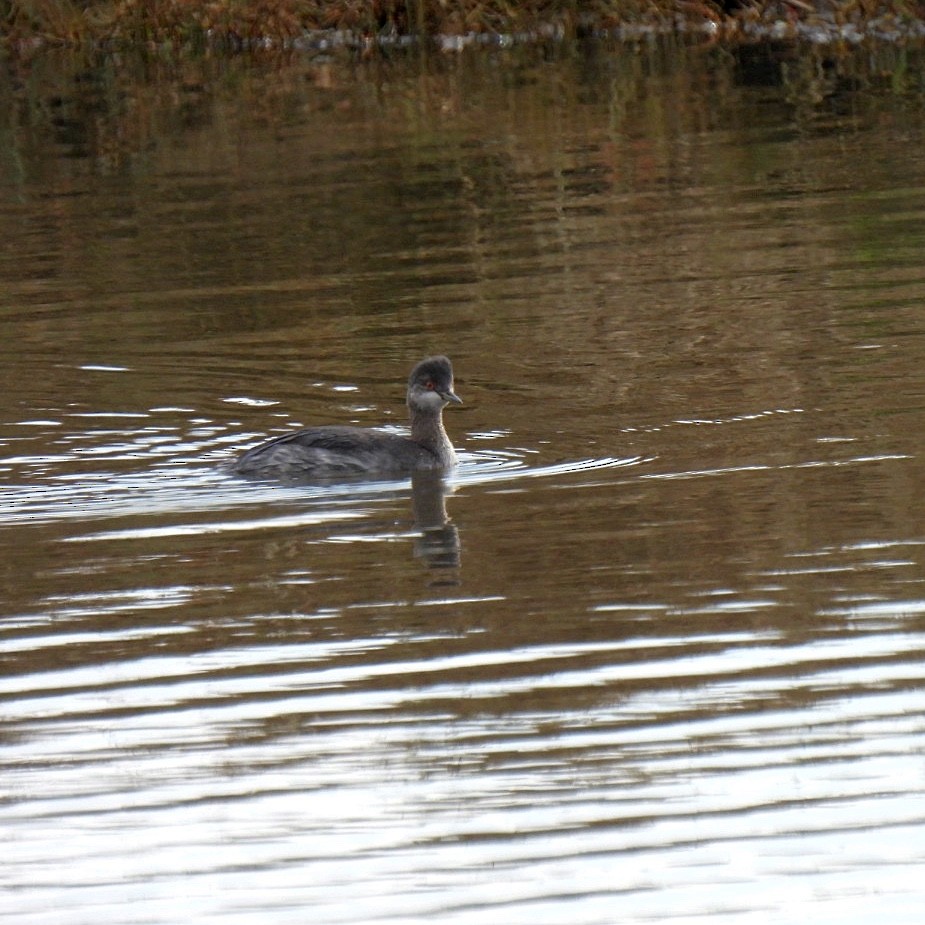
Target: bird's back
point(334, 451)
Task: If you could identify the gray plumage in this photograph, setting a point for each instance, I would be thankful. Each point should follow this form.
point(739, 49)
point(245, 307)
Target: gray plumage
point(338, 450)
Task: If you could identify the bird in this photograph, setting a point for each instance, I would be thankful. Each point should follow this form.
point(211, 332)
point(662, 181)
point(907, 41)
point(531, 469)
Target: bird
point(345, 450)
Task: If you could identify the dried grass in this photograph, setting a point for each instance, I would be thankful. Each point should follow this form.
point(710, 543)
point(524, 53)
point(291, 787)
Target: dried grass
point(177, 22)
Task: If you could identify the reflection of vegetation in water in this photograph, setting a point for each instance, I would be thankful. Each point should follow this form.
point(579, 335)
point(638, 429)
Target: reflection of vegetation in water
point(111, 108)
point(391, 159)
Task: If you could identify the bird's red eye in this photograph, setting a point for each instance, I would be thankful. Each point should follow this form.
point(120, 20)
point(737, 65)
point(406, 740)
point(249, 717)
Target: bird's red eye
point(429, 385)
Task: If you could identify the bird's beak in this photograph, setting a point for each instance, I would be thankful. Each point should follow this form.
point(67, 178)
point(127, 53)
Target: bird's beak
point(451, 396)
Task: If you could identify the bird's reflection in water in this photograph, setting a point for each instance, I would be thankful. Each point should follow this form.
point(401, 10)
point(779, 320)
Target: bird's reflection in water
point(436, 538)
point(437, 542)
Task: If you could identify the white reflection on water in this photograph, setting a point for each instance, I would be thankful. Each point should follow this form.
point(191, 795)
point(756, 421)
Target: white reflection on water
point(170, 490)
point(648, 805)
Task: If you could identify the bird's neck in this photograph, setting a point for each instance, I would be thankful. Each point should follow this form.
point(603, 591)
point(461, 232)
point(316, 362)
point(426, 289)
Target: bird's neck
point(427, 431)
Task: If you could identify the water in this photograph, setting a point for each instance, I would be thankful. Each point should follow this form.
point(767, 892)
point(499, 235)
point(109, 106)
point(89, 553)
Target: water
point(653, 652)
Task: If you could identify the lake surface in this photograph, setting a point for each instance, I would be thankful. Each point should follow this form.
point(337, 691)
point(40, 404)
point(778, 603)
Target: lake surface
point(655, 651)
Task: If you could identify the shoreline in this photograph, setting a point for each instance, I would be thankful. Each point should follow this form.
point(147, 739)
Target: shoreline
point(380, 27)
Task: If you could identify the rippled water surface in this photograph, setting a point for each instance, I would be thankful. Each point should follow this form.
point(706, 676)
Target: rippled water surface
point(653, 652)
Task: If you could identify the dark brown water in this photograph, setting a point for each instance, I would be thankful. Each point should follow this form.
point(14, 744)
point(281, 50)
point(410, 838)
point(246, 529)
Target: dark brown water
point(654, 652)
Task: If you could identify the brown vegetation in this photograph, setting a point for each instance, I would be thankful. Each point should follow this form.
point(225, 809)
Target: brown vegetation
point(236, 23)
